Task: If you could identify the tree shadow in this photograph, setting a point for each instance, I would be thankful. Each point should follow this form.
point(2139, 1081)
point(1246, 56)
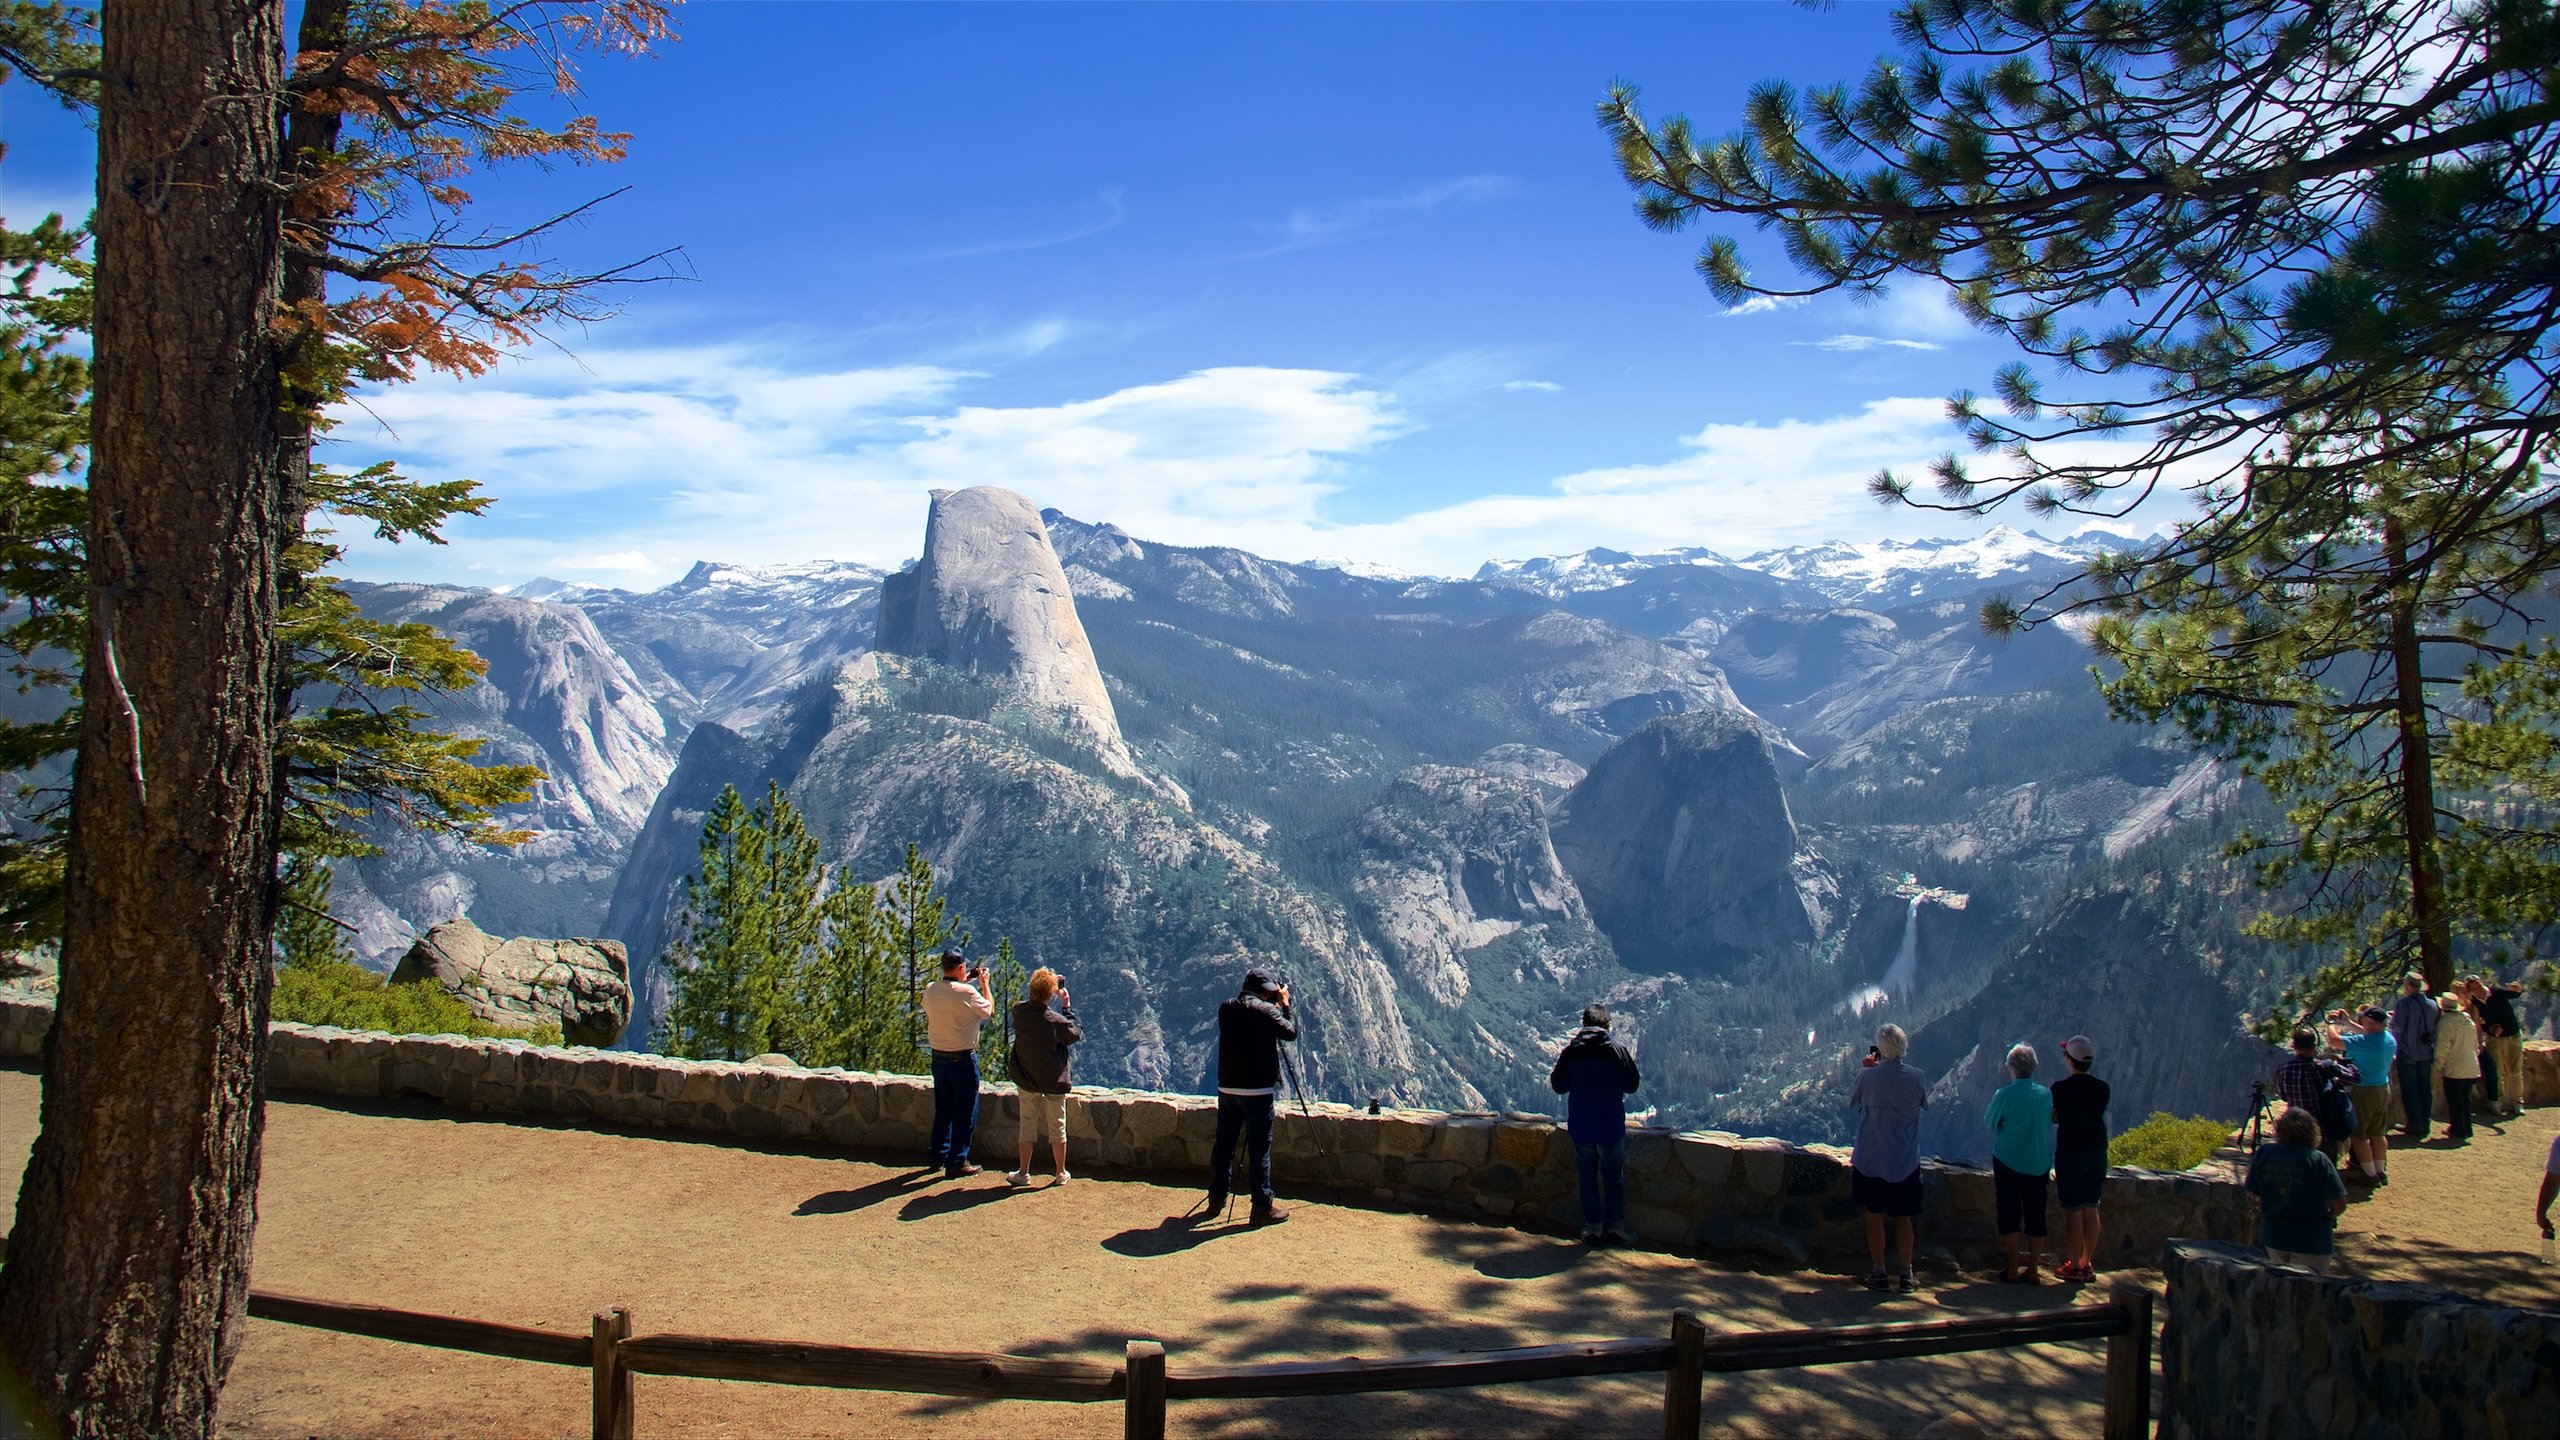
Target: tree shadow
point(1531, 1259)
point(952, 1202)
point(845, 1202)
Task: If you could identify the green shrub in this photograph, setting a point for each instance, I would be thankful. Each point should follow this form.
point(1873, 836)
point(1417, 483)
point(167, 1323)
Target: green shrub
point(2165, 1142)
point(340, 993)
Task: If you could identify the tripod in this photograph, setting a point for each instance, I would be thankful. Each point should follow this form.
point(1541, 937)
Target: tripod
point(2256, 1125)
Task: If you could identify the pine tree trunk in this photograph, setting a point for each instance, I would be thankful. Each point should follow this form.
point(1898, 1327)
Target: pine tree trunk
point(2417, 780)
point(124, 1296)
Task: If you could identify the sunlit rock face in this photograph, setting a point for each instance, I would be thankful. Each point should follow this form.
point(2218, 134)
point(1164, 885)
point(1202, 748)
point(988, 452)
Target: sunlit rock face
point(1682, 845)
point(990, 598)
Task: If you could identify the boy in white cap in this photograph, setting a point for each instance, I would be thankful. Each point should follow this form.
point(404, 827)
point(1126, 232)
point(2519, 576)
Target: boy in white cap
point(2079, 1159)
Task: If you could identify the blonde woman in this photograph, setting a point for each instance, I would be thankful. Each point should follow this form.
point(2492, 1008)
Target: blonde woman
point(2458, 1062)
point(1044, 1026)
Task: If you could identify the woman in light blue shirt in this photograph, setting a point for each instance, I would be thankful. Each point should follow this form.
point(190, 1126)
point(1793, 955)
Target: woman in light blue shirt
point(2020, 1118)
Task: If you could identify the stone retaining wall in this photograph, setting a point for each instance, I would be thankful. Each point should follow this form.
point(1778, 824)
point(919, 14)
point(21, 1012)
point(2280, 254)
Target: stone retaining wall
point(1757, 1201)
point(2252, 1349)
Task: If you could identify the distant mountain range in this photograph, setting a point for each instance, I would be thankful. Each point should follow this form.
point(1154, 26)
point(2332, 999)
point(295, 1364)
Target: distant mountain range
point(1719, 793)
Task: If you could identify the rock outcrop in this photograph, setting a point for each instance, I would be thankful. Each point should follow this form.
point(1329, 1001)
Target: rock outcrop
point(558, 696)
point(1682, 845)
point(1453, 860)
point(581, 986)
point(989, 598)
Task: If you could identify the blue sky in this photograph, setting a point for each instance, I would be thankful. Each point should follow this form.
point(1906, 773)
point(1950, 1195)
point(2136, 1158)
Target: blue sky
point(1316, 280)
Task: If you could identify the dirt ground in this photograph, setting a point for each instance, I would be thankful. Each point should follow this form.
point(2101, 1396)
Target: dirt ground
point(2459, 1216)
point(546, 1226)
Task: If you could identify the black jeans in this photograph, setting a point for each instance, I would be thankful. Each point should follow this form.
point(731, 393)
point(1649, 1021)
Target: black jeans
point(2457, 1108)
point(1248, 1117)
point(2017, 1198)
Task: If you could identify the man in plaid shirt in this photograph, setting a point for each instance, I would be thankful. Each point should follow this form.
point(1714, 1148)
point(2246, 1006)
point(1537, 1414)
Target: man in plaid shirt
point(2300, 1081)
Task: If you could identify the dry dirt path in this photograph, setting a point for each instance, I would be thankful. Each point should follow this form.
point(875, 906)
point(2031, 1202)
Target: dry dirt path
point(2459, 1216)
point(545, 1226)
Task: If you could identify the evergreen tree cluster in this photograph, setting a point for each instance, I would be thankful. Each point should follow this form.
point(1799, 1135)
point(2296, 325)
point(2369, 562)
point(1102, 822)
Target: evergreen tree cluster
point(776, 951)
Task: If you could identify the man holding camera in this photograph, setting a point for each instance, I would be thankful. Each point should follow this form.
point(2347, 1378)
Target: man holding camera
point(1251, 1029)
point(954, 1007)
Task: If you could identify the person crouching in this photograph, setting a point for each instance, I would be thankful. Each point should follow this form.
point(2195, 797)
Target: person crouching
point(1595, 1074)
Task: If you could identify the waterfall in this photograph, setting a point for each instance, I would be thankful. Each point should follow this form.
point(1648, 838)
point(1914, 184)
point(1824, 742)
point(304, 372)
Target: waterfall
point(1900, 976)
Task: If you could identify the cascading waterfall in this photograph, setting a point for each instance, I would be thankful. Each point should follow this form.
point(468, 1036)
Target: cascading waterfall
point(1902, 974)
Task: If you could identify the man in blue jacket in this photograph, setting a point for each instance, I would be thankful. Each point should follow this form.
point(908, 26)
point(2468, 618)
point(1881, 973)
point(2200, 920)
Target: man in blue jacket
point(1595, 1074)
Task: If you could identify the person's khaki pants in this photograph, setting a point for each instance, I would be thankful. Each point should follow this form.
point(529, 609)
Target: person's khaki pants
point(2509, 1052)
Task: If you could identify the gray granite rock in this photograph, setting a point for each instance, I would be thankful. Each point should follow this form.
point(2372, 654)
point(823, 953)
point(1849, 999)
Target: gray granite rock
point(581, 986)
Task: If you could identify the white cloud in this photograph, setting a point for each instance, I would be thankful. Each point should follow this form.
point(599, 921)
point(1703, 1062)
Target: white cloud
point(1764, 305)
point(638, 462)
point(1544, 387)
point(1855, 343)
point(1112, 211)
point(1920, 310)
point(1309, 226)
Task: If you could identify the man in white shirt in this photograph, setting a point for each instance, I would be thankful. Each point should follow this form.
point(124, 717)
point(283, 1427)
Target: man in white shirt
point(954, 1007)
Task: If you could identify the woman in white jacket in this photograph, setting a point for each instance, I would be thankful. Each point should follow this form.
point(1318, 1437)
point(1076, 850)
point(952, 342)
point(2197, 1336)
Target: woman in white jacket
point(2458, 1062)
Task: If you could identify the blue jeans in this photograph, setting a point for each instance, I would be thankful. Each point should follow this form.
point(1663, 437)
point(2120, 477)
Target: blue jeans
point(2417, 1095)
point(1248, 1117)
point(1604, 1182)
point(955, 1108)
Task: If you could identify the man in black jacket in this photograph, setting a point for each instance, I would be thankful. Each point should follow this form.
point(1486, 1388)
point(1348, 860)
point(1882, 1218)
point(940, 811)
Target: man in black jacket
point(1251, 1029)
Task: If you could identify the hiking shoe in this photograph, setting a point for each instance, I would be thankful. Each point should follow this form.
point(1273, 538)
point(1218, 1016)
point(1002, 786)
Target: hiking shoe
point(1591, 1234)
point(1063, 1178)
point(962, 1171)
point(2382, 1179)
point(1018, 1178)
point(1266, 1213)
point(1878, 1280)
point(1622, 1233)
point(1906, 1284)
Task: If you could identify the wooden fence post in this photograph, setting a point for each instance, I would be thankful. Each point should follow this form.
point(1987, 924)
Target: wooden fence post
point(2129, 1365)
point(1143, 1419)
point(611, 1418)
point(1680, 1397)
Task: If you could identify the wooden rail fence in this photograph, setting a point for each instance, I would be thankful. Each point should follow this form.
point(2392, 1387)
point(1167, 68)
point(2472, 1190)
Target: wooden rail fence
point(1145, 1384)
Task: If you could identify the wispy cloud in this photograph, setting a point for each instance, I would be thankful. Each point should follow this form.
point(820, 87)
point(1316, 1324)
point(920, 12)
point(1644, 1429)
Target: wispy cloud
point(1113, 212)
point(1854, 343)
point(1310, 226)
point(1545, 387)
point(1764, 305)
point(634, 464)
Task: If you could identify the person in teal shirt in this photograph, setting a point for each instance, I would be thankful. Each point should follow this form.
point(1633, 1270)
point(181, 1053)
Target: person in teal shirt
point(2369, 1045)
point(2020, 1119)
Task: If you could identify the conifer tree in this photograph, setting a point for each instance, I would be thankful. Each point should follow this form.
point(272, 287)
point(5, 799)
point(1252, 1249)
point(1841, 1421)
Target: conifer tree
point(305, 932)
point(2211, 220)
point(847, 1007)
point(1006, 984)
point(727, 1001)
point(2345, 700)
point(125, 1295)
point(917, 932)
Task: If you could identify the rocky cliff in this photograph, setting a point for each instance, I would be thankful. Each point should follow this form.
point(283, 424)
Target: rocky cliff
point(2115, 967)
point(1682, 845)
point(989, 599)
point(558, 696)
point(1453, 860)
